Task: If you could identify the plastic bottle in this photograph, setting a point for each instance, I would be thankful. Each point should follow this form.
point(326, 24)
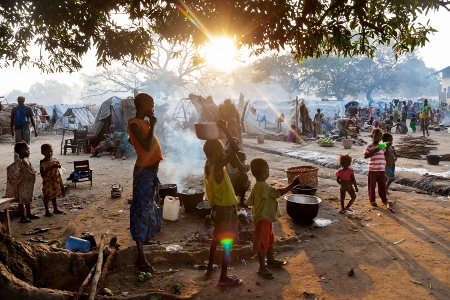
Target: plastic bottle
point(76, 244)
point(171, 208)
point(382, 145)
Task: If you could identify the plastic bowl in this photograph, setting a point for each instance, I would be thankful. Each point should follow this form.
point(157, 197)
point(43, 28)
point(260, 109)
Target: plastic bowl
point(208, 131)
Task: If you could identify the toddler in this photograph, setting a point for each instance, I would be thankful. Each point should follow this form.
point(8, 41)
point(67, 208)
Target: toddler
point(413, 123)
point(20, 182)
point(52, 183)
point(265, 211)
point(391, 158)
point(346, 178)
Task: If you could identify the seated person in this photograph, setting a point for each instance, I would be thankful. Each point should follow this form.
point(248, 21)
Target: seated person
point(293, 134)
point(237, 169)
point(389, 123)
point(124, 148)
point(108, 143)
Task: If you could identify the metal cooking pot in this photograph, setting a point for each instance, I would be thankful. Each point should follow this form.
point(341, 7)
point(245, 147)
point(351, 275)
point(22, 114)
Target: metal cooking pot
point(302, 208)
point(203, 209)
point(305, 189)
point(167, 190)
point(190, 198)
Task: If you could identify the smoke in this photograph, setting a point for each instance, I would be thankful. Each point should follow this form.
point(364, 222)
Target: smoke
point(183, 156)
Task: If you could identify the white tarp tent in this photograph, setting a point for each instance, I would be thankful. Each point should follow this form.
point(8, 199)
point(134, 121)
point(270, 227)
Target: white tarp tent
point(111, 107)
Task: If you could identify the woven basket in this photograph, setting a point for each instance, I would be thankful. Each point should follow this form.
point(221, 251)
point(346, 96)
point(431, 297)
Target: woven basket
point(307, 174)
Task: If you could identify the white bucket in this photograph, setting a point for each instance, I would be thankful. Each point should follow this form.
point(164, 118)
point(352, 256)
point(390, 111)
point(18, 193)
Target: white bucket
point(171, 208)
point(347, 144)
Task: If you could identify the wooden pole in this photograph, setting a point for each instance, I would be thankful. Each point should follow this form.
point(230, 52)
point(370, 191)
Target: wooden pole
point(113, 246)
point(85, 282)
point(98, 269)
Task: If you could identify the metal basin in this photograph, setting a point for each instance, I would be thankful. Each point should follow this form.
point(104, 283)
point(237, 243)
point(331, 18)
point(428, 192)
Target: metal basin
point(302, 208)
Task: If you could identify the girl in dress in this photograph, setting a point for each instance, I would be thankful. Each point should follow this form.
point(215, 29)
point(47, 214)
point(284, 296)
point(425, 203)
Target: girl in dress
point(52, 183)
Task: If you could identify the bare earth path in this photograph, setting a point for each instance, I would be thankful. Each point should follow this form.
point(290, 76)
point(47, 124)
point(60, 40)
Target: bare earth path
point(319, 257)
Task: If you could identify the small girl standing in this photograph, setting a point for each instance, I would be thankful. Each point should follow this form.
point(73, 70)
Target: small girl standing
point(346, 178)
point(52, 183)
point(20, 182)
point(413, 123)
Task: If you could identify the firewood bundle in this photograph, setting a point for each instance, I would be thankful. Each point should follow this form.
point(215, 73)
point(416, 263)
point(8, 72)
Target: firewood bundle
point(414, 147)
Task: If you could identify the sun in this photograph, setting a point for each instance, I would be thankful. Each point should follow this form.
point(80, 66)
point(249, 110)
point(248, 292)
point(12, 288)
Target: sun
point(220, 53)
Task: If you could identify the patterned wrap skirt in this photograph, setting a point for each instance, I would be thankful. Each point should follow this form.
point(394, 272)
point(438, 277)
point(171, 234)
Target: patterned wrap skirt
point(145, 214)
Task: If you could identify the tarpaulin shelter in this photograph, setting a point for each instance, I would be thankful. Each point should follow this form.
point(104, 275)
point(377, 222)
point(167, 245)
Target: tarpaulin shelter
point(110, 113)
point(80, 118)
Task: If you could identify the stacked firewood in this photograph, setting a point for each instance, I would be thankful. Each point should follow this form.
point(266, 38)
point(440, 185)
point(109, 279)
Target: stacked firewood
point(414, 147)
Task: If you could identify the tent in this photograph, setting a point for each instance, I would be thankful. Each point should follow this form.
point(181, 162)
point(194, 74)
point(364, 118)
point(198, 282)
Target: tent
point(110, 112)
point(80, 118)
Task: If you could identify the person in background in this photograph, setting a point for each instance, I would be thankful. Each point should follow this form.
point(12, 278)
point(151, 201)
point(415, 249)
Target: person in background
point(425, 117)
point(437, 117)
point(352, 110)
point(413, 123)
point(237, 169)
point(391, 158)
point(265, 211)
point(342, 126)
point(280, 121)
point(145, 216)
point(52, 183)
point(293, 134)
point(21, 117)
point(108, 142)
point(318, 120)
point(20, 182)
point(376, 177)
point(389, 123)
point(395, 114)
point(404, 111)
point(346, 178)
point(222, 199)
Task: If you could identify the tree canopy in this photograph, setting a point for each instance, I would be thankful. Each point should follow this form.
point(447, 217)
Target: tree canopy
point(340, 77)
point(66, 29)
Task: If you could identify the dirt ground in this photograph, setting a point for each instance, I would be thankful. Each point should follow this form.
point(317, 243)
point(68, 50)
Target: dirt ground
point(401, 255)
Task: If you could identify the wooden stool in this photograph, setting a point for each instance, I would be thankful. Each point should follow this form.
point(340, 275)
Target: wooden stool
point(5, 203)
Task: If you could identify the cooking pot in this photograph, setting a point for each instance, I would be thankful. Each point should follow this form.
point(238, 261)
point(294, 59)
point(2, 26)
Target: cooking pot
point(190, 199)
point(302, 208)
point(203, 209)
point(305, 189)
point(208, 131)
point(433, 159)
point(167, 190)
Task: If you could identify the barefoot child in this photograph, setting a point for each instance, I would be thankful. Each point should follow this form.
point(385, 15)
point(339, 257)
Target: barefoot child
point(20, 182)
point(265, 211)
point(52, 183)
point(413, 123)
point(346, 178)
point(377, 165)
point(222, 200)
point(391, 158)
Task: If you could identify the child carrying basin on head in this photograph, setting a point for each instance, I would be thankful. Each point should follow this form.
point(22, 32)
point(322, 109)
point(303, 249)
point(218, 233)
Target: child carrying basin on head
point(222, 200)
point(265, 211)
point(346, 178)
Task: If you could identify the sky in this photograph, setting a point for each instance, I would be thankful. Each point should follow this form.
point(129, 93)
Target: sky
point(435, 54)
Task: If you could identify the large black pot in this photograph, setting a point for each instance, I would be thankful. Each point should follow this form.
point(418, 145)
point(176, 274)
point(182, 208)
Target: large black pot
point(305, 189)
point(190, 199)
point(203, 209)
point(433, 159)
point(167, 190)
point(302, 208)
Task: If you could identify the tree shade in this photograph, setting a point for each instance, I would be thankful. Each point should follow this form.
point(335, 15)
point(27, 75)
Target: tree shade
point(66, 29)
